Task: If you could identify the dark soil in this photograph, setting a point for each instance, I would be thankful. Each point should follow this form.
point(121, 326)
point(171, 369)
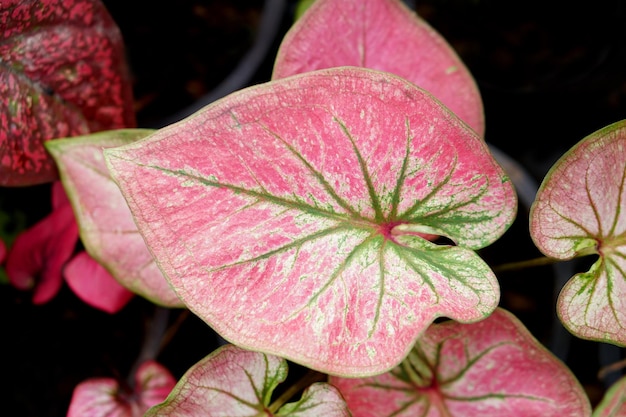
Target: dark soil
point(549, 75)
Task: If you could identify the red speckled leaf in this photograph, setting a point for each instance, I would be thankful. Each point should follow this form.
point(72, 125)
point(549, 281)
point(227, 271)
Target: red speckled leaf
point(494, 368)
point(288, 216)
point(383, 35)
point(103, 397)
point(237, 383)
point(614, 402)
point(106, 225)
point(579, 210)
point(63, 74)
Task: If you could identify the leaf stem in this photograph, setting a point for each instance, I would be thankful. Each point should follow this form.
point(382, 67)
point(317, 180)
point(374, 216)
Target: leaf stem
point(541, 261)
point(309, 378)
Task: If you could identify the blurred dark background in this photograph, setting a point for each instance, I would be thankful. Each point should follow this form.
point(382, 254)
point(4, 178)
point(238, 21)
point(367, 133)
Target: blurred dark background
point(550, 72)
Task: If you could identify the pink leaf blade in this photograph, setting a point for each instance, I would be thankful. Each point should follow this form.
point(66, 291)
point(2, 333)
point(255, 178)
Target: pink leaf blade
point(103, 397)
point(64, 74)
point(613, 403)
point(106, 225)
point(230, 381)
point(319, 399)
point(278, 226)
point(579, 211)
point(382, 35)
point(490, 368)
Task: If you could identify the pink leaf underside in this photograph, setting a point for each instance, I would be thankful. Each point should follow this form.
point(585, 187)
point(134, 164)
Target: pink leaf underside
point(36, 259)
point(106, 225)
point(383, 35)
point(102, 397)
point(237, 383)
point(284, 216)
point(614, 402)
point(94, 285)
point(63, 74)
point(580, 205)
point(492, 368)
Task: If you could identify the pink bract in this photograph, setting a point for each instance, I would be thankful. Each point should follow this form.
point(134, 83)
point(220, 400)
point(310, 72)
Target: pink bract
point(63, 74)
point(94, 285)
point(579, 210)
point(288, 216)
point(36, 259)
point(493, 368)
point(106, 225)
point(103, 397)
point(237, 383)
point(383, 35)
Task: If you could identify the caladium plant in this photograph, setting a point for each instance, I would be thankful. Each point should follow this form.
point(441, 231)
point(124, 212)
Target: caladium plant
point(328, 217)
point(288, 216)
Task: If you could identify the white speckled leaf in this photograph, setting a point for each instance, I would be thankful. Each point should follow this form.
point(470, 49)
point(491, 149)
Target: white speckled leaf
point(232, 382)
point(580, 207)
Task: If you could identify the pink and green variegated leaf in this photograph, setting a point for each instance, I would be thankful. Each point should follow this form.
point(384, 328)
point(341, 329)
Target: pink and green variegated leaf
point(106, 225)
point(614, 402)
point(103, 397)
point(383, 35)
point(237, 383)
point(492, 368)
point(288, 216)
point(63, 74)
point(579, 210)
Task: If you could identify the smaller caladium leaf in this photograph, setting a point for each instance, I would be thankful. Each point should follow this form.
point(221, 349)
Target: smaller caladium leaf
point(579, 210)
point(383, 35)
point(106, 225)
point(63, 74)
point(492, 368)
point(237, 383)
point(103, 397)
point(290, 216)
point(613, 403)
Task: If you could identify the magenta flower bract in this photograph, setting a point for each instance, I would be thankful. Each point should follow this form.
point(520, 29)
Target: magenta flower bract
point(38, 258)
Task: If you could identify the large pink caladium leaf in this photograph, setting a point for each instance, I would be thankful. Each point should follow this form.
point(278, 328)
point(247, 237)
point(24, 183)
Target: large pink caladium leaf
point(613, 403)
point(106, 225)
point(492, 368)
point(288, 216)
point(103, 397)
point(63, 74)
point(383, 35)
point(579, 209)
point(237, 383)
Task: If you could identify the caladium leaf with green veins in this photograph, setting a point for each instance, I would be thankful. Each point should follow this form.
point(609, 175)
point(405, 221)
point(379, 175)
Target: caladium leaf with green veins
point(289, 216)
point(579, 210)
point(492, 368)
point(613, 403)
point(63, 74)
point(237, 383)
point(383, 35)
point(106, 225)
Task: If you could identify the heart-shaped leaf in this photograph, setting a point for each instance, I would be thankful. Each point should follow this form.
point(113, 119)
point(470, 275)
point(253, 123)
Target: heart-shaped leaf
point(63, 74)
point(106, 225)
point(383, 35)
point(237, 383)
point(492, 368)
point(103, 397)
point(579, 210)
point(613, 403)
point(288, 216)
